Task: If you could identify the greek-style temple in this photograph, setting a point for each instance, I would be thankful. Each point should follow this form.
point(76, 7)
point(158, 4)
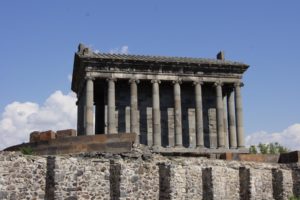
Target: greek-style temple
point(167, 102)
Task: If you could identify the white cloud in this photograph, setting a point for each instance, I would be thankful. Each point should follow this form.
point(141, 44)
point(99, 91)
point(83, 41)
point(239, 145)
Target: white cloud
point(120, 50)
point(289, 137)
point(20, 119)
point(70, 77)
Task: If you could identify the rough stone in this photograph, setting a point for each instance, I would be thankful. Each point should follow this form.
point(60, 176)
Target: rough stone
point(65, 133)
point(46, 135)
point(34, 136)
point(106, 176)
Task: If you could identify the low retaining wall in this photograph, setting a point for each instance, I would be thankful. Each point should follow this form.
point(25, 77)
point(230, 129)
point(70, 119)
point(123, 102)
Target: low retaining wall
point(113, 143)
point(139, 175)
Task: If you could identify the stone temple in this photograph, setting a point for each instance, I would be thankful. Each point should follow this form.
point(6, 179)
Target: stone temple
point(150, 128)
point(168, 102)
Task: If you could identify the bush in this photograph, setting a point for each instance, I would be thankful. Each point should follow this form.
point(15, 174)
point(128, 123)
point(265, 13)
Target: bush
point(294, 198)
point(271, 148)
point(253, 149)
point(26, 150)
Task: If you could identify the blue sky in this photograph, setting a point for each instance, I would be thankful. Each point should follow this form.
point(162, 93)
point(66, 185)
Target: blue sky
point(39, 38)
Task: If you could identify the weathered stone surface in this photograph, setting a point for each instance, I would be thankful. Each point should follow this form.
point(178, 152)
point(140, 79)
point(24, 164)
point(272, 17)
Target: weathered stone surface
point(34, 136)
point(261, 186)
point(65, 133)
point(251, 157)
point(113, 143)
point(130, 176)
point(290, 157)
point(138, 180)
point(46, 135)
point(81, 178)
point(22, 177)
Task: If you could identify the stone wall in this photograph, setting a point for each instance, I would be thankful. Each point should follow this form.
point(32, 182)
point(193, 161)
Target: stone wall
point(143, 176)
point(22, 177)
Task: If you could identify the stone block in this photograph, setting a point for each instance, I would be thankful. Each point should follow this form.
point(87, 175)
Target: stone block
point(258, 158)
point(34, 136)
point(261, 186)
point(46, 135)
point(66, 133)
point(225, 183)
point(290, 157)
point(227, 156)
point(137, 180)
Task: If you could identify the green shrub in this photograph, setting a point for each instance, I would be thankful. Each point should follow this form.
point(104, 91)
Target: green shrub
point(270, 148)
point(294, 198)
point(26, 150)
point(253, 149)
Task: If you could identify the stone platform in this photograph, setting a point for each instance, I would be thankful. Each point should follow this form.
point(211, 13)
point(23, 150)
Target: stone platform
point(65, 142)
point(112, 143)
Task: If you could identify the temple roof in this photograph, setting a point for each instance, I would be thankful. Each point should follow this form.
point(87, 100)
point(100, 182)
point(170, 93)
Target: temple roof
point(85, 57)
point(159, 59)
point(85, 52)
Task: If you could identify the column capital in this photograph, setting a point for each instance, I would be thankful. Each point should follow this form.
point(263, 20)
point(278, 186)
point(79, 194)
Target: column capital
point(179, 81)
point(200, 82)
point(89, 77)
point(132, 80)
point(238, 84)
point(218, 83)
point(155, 81)
point(111, 79)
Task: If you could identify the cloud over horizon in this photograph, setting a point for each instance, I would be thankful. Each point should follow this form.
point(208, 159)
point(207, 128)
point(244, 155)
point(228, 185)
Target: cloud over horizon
point(120, 50)
point(19, 119)
point(289, 137)
point(59, 111)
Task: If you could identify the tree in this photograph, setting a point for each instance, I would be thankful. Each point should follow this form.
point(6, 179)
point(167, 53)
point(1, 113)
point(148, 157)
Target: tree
point(253, 149)
point(263, 148)
point(271, 148)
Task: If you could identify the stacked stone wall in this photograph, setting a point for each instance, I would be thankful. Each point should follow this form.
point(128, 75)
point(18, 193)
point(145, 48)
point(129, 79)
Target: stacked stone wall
point(137, 176)
point(22, 177)
point(81, 178)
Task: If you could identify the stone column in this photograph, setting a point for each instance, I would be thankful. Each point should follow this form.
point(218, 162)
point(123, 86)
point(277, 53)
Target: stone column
point(111, 107)
point(89, 107)
point(199, 114)
point(156, 114)
point(134, 108)
point(177, 114)
point(231, 120)
point(239, 115)
point(79, 116)
point(220, 115)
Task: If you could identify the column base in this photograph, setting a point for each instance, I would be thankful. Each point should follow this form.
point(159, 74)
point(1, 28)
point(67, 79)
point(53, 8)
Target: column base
point(200, 147)
point(178, 146)
point(156, 148)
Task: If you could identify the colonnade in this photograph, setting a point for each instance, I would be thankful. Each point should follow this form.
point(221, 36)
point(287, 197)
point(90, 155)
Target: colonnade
point(234, 109)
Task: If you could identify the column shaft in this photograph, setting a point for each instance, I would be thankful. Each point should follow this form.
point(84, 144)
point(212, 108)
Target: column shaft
point(199, 115)
point(231, 120)
point(79, 116)
point(156, 114)
point(220, 119)
point(111, 116)
point(133, 109)
point(89, 111)
point(239, 115)
point(177, 114)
